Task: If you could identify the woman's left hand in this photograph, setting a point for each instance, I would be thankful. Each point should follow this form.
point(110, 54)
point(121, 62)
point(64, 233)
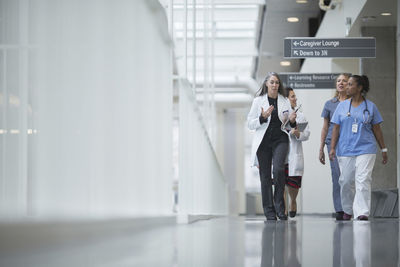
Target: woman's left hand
point(384, 157)
point(292, 117)
point(295, 132)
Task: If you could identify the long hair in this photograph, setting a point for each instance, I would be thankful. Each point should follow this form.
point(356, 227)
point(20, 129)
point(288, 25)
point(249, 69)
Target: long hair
point(363, 81)
point(264, 89)
point(347, 75)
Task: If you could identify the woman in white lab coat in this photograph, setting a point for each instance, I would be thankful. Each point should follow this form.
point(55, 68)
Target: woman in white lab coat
point(269, 111)
point(295, 168)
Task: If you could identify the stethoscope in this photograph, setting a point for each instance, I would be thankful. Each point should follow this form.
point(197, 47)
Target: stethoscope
point(365, 110)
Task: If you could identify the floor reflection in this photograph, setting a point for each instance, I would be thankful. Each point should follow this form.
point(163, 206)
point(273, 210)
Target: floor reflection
point(343, 245)
point(292, 246)
point(228, 241)
point(362, 243)
point(279, 244)
point(311, 241)
point(366, 243)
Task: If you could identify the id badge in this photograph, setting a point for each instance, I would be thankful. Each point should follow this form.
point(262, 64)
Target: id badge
point(354, 128)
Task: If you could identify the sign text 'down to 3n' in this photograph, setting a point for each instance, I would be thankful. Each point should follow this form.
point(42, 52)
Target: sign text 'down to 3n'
point(298, 47)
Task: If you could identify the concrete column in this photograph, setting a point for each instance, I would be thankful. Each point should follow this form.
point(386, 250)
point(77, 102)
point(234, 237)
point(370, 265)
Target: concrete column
point(381, 72)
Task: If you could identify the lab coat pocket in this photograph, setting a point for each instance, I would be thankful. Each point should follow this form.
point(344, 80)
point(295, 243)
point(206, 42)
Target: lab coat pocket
point(298, 163)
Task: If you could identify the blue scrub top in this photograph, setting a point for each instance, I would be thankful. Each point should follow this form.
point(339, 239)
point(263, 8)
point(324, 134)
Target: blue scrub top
point(362, 142)
point(327, 112)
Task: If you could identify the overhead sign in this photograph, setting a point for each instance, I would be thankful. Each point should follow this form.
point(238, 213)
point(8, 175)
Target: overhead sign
point(309, 80)
point(363, 47)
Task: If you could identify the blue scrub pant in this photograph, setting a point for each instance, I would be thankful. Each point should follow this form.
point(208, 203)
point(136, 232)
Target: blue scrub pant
point(335, 171)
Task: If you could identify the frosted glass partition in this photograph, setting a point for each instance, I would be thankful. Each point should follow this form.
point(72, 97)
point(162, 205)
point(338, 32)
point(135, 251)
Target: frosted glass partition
point(202, 186)
point(86, 108)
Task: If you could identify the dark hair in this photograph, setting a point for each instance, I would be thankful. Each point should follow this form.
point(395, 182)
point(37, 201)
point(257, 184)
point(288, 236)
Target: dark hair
point(264, 89)
point(288, 89)
point(362, 81)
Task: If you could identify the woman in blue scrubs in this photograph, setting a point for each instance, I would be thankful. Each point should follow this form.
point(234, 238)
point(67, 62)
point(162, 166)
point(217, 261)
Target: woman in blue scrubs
point(357, 126)
point(326, 135)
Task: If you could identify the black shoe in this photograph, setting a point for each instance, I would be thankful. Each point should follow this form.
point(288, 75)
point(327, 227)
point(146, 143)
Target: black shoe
point(271, 216)
point(362, 218)
point(282, 217)
point(346, 217)
point(339, 216)
point(292, 214)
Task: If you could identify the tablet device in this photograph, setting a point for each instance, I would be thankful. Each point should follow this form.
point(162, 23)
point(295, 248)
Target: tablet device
point(302, 125)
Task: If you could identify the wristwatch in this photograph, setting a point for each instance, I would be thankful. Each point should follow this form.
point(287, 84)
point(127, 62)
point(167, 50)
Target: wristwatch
point(384, 149)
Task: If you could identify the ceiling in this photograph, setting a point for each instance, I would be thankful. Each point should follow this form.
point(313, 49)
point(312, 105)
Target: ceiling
point(370, 15)
point(235, 24)
point(249, 37)
point(276, 28)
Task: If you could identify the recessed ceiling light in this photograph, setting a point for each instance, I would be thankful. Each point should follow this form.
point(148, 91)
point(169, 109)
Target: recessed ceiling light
point(302, 1)
point(386, 14)
point(293, 19)
point(285, 63)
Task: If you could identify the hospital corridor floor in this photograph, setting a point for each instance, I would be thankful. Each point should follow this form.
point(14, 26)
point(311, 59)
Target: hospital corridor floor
point(308, 240)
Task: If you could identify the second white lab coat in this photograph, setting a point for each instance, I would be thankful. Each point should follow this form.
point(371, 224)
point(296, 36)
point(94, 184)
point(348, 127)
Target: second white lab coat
point(296, 156)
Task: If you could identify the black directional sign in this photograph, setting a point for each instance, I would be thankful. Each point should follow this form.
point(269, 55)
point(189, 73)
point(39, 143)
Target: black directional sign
point(309, 80)
point(363, 47)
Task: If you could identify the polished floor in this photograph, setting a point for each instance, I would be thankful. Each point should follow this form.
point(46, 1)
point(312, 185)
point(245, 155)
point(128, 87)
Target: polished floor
point(234, 241)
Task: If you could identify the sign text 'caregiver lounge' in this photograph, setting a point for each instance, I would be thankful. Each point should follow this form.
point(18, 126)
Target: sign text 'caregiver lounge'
point(363, 47)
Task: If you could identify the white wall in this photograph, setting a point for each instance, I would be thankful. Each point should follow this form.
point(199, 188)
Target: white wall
point(86, 109)
point(316, 189)
point(203, 189)
point(233, 156)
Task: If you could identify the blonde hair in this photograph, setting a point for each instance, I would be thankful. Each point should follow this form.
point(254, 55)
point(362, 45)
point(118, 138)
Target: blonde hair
point(347, 75)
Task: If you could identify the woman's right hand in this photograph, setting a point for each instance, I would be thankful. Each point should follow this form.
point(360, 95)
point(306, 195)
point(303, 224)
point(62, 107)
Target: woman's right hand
point(322, 156)
point(332, 154)
point(384, 157)
point(268, 112)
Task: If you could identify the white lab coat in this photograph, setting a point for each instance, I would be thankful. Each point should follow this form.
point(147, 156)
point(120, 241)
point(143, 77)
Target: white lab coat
point(253, 121)
point(296, 157)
